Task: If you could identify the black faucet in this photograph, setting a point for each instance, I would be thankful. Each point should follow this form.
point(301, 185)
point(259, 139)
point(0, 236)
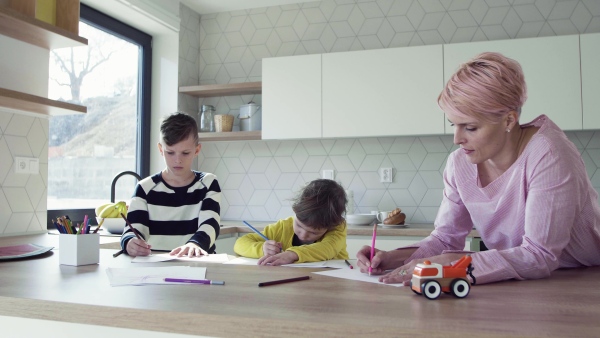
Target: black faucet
point(114, 182)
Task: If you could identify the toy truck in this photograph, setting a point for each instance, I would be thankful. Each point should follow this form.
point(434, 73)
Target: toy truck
point(431, 279)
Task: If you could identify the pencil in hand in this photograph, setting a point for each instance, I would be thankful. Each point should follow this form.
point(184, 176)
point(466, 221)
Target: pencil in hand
point(373, 247)
point(134, 230)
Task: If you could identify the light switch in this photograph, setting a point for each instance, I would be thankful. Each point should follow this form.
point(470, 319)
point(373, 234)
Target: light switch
point(34, 166)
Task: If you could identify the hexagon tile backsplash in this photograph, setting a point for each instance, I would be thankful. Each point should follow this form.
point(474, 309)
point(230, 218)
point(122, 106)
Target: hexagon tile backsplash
point(258, 178)
point(23, 197)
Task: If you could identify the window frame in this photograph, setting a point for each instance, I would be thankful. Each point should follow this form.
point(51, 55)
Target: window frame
point(113, 26)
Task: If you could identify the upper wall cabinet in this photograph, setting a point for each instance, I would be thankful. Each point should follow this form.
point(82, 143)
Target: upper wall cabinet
point(291, 106)
point(590, 80)
point(383, 92)
point(552, 72)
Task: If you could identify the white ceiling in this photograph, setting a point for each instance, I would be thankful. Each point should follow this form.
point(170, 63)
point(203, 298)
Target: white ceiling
point(215, 6)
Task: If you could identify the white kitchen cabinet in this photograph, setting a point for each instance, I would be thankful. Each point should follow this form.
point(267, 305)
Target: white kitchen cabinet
point(383, 92)
point(291, 92)
point(590, 80)
point(552, 73)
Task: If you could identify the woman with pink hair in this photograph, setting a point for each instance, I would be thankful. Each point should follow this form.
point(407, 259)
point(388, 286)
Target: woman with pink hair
point(523, 186)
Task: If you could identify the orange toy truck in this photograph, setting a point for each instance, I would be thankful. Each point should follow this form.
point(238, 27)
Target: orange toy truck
point(431, 279)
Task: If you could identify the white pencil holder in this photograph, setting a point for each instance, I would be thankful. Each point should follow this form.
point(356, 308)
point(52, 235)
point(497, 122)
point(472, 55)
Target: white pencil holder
point(79, 249)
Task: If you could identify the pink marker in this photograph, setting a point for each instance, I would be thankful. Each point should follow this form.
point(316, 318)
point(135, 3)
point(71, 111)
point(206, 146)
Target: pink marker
point(194, 281)
point(373, 246)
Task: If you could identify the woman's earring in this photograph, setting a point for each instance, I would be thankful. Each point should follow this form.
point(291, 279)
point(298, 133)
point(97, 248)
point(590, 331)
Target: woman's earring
point(507, 130)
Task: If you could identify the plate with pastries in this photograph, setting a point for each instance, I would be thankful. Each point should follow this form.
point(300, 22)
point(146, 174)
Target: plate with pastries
point(395, 219)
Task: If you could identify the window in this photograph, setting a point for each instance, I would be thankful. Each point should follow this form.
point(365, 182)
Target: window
point(111, 76)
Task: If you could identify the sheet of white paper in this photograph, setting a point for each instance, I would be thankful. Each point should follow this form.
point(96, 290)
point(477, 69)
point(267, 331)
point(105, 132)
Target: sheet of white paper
point(243, 261)
point(353, 274)
point(154, 258)
point(152, 275)
point(308, 265)
point(335, 264)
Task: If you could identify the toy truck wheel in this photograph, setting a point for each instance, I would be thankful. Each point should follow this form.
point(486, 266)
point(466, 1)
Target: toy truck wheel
point(431, 289)
point(460, 288)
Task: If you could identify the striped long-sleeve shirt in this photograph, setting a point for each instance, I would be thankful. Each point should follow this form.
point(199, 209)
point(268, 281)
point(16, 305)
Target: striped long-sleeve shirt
point(168, 217)
point(539, 215)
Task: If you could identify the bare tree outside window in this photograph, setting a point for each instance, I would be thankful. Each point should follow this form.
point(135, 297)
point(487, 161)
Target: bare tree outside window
point(87, 151)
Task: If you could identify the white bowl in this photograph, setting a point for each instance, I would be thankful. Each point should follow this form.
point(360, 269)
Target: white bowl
point(112, 225)
point(360, 219)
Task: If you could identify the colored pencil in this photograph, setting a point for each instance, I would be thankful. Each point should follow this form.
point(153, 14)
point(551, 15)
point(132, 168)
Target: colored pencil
point(373, 246)
point(282, 281)
point(258, 232)
point(195, 281)
point(132, 228)
point(348, 263)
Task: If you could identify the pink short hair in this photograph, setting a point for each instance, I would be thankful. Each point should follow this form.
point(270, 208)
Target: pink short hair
point(488, 86)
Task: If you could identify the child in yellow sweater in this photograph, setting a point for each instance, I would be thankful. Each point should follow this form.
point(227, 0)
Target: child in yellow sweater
point(316, 233)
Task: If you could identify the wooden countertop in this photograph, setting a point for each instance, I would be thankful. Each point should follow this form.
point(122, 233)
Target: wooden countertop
point(564, 305)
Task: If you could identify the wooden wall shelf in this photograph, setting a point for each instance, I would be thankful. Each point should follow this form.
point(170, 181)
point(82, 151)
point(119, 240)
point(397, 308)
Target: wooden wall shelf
point(231, 89)
point(36, 104)
point(231, 136)
point(36, 32)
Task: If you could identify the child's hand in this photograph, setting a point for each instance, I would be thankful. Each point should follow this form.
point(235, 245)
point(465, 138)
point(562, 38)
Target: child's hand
point(287, 257)
point(138, 247)
point(189, 249)
point(271, 248)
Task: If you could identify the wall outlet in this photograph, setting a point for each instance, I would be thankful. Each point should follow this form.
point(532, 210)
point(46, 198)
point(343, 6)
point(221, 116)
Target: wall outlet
point(385, 175)
point(329, 174)
point(27, 165)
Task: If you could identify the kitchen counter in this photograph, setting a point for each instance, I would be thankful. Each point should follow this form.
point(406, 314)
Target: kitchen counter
point(416, 230)
point(566, 304)
point(237, 227)
point(358, 235)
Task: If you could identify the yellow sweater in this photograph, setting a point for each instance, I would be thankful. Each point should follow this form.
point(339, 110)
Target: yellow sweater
point(331, 246)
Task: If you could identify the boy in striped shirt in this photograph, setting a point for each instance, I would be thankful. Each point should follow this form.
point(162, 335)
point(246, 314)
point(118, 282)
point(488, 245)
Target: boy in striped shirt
point(177, 209)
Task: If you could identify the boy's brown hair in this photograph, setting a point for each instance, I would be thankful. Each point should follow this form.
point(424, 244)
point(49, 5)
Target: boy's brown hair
point(178, 127)
point(321, 204)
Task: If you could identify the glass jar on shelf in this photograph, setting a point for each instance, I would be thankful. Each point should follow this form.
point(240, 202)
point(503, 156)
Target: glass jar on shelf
point(207, 118)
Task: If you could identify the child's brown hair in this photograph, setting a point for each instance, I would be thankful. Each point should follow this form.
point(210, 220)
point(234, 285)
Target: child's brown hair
point(321, 204)
point(178, 127)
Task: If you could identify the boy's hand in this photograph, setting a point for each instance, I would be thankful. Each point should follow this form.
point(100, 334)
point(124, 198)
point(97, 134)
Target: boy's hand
point(271, 248)
point(287, 257)
point(138, 247)
point(189, 249)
